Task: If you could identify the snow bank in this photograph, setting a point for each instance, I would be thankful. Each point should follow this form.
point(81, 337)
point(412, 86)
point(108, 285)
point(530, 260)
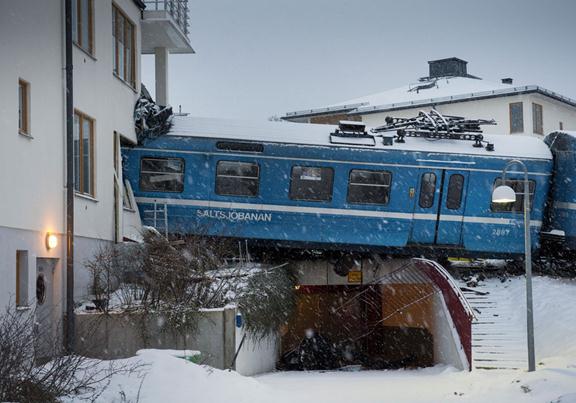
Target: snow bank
point(172, 379)
point(554, 315)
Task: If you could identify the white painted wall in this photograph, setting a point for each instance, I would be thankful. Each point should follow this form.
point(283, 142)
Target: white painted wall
point(256, 356)
point(31, 179)
point(110, 101)
point(447, 345)
point(32, 169)
point(497, 109)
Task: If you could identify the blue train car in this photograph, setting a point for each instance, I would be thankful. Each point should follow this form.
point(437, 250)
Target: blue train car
point(292, 185)
point(562, 214)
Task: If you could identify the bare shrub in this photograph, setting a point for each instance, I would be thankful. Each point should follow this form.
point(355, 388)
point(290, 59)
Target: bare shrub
point(180, 277)
point(177, 278)
point(24, 379)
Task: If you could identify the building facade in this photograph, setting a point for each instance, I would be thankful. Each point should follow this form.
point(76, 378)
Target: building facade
point(109, 37)
point(528, 109)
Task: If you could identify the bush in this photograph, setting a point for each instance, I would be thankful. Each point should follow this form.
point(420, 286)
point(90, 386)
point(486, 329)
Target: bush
point(24, 379)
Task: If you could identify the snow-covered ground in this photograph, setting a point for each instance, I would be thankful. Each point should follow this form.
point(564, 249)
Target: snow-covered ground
point(172, 379)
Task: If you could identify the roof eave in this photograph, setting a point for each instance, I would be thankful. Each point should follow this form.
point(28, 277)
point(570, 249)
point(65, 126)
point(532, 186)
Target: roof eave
point(330, 110)
point(463, 98)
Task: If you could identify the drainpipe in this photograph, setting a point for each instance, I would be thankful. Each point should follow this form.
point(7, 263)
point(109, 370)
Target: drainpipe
point(69, 330)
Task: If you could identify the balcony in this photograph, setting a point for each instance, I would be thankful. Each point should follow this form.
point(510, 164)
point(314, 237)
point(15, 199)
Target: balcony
point(165, 24)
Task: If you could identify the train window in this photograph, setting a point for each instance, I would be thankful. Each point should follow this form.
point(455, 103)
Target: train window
point(455, 188)
point(162, 174)
point(516, 117)
point(235, 178)
point(518, 205)
point(427, 190)
point(369, 187)
point(311, 183)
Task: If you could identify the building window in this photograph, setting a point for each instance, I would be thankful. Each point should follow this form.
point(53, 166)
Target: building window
point(311, 183)
point(123, 32)
point(455, 188)
point(369, 187)
point(561, 125)
point(83, 24)
point(83, 154)
point(516, 117)
point(518, 187)
point(162, 174)
point(23, 107)
point(537, 120)
point(21, 278)
point(427, 190)
point(234, 178)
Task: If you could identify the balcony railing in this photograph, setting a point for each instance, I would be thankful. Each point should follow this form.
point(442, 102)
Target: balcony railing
point(178, 9)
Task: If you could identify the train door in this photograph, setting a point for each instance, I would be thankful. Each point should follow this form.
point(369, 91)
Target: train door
point(439, 207)
point(451, 213)
point(426, 206)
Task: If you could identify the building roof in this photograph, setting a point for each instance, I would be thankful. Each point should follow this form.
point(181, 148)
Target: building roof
point(316, 134)
point(429, 92)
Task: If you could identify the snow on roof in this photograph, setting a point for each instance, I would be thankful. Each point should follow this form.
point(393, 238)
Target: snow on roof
point(442, 87)
point(433, 91)
point(316, 134)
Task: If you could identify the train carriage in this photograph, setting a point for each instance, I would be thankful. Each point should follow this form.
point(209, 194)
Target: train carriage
point(299, 186)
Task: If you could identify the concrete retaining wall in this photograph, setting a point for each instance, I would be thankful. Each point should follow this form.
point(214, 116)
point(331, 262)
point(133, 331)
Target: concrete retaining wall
point(121, 335)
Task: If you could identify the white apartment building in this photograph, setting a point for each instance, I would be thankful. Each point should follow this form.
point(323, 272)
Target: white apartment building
point(108, 38)
point(517, 109)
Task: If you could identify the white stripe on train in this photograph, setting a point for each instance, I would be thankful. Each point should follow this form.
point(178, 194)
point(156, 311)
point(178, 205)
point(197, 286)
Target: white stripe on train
point(333, 211)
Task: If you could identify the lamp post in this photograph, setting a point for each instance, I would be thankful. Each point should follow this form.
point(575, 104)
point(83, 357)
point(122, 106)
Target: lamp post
point(505, 194)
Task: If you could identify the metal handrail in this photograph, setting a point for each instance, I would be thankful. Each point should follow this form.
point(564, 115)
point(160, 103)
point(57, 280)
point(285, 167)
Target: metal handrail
point(178, 9)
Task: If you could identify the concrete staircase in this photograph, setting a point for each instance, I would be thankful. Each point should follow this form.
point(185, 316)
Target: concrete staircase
point(497, 341)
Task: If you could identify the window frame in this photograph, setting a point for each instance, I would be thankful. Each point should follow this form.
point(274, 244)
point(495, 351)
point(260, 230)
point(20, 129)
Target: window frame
point(292, 189)
point(512, 128)
point(81, 190)
point(182, 173)
point(518, 205)
point(421, 193)
point(256, 178)
point(79, 40)
point(117, 15)
point(537, 124)
point(387, 174)
point(449, 206)
point(23, 107)
point(22, 280)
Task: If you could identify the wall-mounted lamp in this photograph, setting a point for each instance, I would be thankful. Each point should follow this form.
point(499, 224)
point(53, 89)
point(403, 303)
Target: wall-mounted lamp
point(51, 241)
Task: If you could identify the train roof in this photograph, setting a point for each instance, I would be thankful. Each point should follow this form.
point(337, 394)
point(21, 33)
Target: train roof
point(513, 146)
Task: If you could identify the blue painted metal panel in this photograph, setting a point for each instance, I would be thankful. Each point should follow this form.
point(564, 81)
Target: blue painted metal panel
point(273, 215)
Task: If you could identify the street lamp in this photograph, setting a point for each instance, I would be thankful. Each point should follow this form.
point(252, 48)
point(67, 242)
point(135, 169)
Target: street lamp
point(505, 194)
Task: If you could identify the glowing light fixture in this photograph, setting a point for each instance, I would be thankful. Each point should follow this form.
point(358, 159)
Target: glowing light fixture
point(51, 241)
point(503, 194)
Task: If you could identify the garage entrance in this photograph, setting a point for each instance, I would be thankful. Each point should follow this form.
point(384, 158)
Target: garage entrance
point(398, 318)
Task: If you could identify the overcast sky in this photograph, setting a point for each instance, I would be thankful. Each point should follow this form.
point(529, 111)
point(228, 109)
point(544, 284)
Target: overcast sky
point(258, 58)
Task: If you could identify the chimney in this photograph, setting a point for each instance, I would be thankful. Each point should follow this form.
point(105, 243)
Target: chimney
point(451, 67)
point(507, 80)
